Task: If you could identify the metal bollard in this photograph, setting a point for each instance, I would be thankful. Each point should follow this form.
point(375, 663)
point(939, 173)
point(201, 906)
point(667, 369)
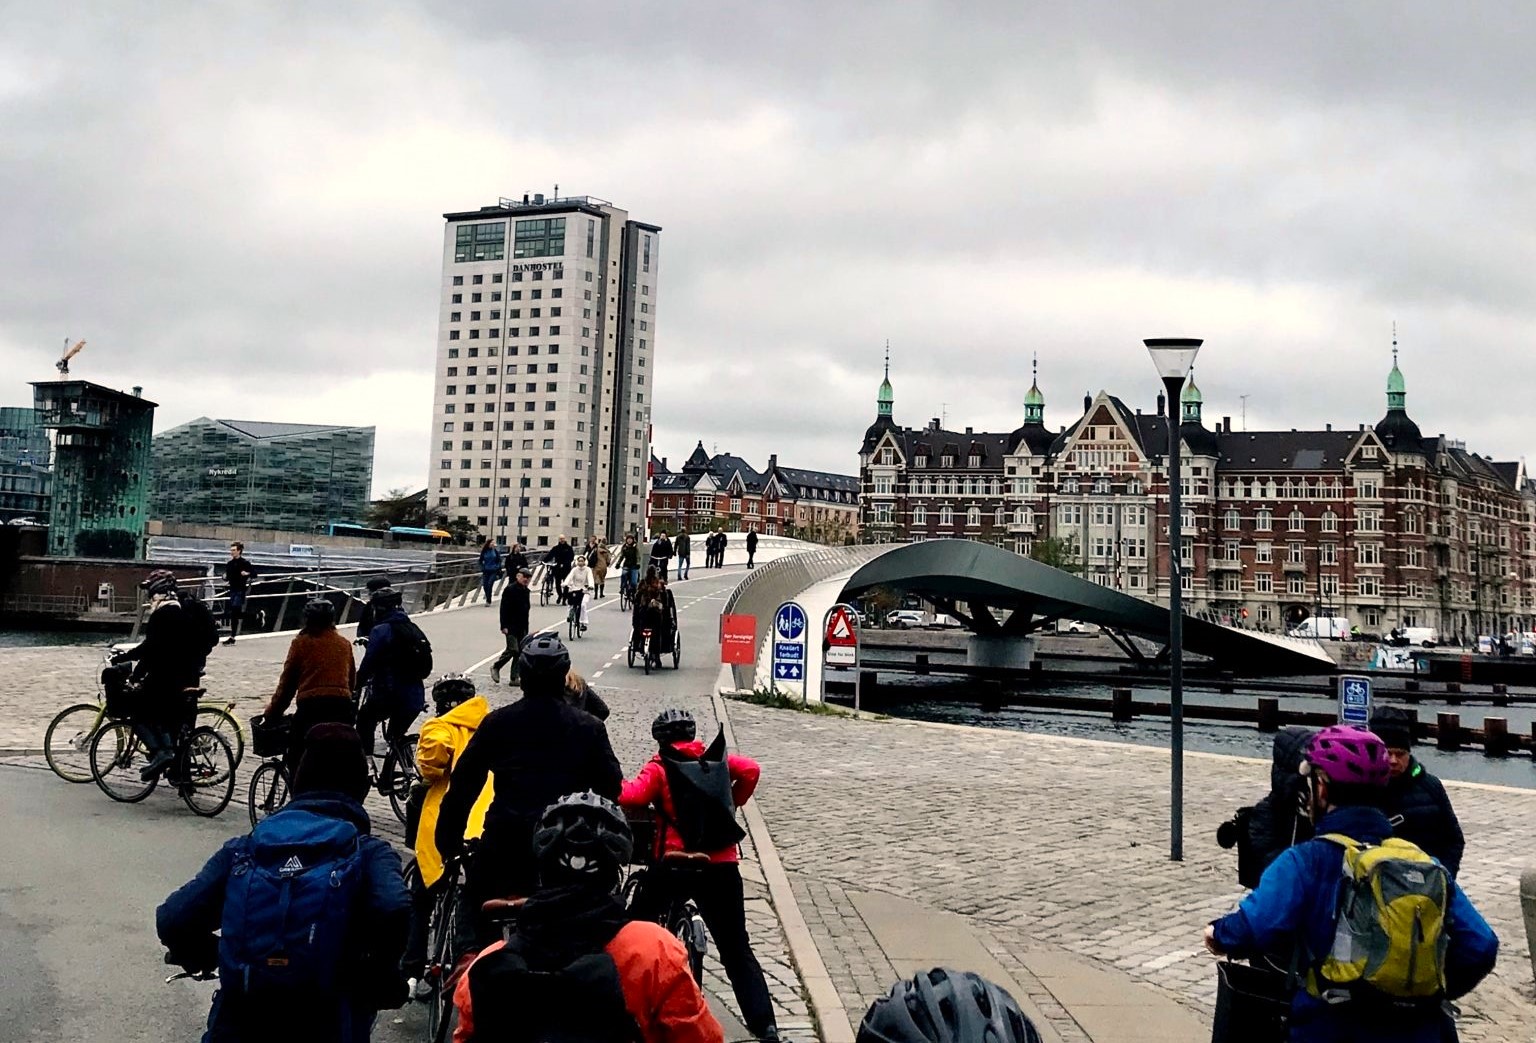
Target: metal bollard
point(1120, 705)
point(1269, 713)
point(1528, 908)
point(1448, 731)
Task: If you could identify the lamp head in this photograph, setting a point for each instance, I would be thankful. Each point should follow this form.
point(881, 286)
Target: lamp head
point(1173, 356)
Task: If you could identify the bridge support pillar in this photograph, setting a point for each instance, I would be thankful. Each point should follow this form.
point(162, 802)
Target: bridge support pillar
point(1006, 653)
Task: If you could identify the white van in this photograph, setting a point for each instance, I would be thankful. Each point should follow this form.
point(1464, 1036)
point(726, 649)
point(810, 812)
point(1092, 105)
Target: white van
point(1420, 637)
point(1333, 628)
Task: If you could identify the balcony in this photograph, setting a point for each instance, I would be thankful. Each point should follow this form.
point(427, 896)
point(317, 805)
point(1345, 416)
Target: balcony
point(1225, 565)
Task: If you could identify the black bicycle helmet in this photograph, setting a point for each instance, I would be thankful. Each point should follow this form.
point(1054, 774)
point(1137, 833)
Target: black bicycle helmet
point(384, 599)
point(450, 690)
point(582, 838)
point(160, 581)
point(318, 612)
point(946, 1006)
point(377, 583)
point(542, 665)
point(673, 725)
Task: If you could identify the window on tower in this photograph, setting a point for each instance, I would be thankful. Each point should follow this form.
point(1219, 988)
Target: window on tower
point(481, 242)
point(540, 237)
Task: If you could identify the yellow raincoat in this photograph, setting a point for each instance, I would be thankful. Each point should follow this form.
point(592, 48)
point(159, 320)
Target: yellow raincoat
point(438, 749)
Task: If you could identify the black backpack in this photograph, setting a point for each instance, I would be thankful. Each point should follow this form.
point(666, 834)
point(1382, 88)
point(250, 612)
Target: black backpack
point(412, 649)
point(701, 797)
point(582, 1002)
point(202, 629)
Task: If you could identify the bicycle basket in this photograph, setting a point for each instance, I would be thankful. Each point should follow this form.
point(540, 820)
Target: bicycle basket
point(642, 825)
point(121, 696)
point(269, 738)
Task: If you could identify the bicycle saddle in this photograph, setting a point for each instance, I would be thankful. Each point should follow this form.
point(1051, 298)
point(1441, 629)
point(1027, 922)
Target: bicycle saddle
point(503, 907)
point(685, 858)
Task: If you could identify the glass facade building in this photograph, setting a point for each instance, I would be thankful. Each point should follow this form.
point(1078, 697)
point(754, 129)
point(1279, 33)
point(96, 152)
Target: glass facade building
point(293, 477)
point(25, 478)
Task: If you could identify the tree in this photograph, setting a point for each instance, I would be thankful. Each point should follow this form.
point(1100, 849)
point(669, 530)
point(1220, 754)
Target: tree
point(1058, 552)
point(880, 600)
point(463, 531)
point(398, 507)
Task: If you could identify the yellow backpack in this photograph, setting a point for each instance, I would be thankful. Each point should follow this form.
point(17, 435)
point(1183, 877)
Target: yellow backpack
point(1389, 940)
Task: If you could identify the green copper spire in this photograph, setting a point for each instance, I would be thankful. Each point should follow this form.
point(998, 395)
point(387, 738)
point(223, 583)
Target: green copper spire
point(1034, 401)
point(1397, 388)
point(887, 396)
point(1191, 400)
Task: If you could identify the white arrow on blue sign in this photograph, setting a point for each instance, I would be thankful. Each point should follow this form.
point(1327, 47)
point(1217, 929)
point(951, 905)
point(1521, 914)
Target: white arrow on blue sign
point(786, 671)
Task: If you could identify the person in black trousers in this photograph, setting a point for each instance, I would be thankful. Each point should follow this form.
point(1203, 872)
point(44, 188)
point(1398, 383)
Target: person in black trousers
point(238, 573)
point(751, 547)
point(515, 601)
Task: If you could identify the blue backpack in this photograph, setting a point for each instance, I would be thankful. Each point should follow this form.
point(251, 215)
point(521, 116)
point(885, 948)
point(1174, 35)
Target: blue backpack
point(288, 906)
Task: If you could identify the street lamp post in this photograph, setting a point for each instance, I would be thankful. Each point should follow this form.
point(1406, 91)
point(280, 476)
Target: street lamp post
point(1173, 358)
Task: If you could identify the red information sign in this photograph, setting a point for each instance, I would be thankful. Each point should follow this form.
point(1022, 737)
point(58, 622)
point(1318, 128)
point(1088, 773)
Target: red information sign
point(738, 640)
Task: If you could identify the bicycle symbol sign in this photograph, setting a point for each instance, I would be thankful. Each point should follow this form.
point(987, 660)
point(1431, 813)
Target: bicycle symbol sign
point(789, 622)
point(1354, 700)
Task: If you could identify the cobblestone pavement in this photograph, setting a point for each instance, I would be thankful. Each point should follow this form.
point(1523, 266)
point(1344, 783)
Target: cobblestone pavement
point(1043, 841)
point(45, 680)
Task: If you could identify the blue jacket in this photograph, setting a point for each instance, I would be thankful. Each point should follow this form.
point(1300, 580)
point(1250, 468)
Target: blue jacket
point(1296, 901)
point(490, 561)
point(187, 920)
point(381, 667)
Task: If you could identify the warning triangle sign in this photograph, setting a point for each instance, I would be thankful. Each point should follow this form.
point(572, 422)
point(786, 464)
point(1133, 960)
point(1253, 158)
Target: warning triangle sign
point(840, 630)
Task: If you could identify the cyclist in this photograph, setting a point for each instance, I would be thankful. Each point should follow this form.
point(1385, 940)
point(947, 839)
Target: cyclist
point(275, 980)
point(395, 691)
point(365, 617)
point(539, 749)
point(578, 588)
point(629, 565)
point(577, 966)
point(946, 1006)
point(516, 603)
point(443, 740)
point(318, 677)
point(168, 662)
point(1295, 906)
point(559, 561)
point(661, 553)
point(716, 888)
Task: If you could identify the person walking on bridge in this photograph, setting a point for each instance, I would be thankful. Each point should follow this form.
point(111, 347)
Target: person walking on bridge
point(751, 547)
point(516, 602)
point(683, 547)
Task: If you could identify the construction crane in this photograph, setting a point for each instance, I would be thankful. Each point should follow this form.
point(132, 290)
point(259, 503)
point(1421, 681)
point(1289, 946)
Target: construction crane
point(63, 364)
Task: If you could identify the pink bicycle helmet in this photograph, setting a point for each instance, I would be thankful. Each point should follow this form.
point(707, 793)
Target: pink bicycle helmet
point(1349, 755)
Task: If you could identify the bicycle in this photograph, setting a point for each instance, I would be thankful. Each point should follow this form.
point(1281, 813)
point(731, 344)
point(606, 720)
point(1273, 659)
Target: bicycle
point(549, 590)
point(573, 627)
point(626, 591)
point(397, 775)
point(203, 770)
point(271, 786)
point(442, 947)
point(67, 741)
point(679, 914)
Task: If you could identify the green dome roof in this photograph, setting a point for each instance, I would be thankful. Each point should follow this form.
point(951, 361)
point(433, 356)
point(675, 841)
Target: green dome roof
point(1191, 393)
point(1395, 383)
point(887, 393)
point(1034, 397)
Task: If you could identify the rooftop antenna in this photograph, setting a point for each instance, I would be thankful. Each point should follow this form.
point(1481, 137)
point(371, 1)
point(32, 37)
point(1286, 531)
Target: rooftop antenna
point(1034, 368)
point(944, 414)
point(557, 191)
point(1245, 411)
point(887, 358)
point(1394, 343)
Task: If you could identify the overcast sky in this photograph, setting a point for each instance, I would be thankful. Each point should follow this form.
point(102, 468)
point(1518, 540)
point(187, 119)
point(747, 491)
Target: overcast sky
point(239, 205)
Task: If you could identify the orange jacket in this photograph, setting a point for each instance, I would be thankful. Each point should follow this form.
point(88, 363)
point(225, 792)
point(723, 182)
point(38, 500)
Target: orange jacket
point(659, 990)
point(317, 665)
point(650, 787)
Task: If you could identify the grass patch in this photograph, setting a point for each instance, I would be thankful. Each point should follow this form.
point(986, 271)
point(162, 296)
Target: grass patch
point(779, 701)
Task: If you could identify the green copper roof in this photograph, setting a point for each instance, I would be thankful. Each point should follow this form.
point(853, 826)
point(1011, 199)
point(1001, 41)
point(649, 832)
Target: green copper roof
point(1034, 397)
point(1395, 383)
point(1191, 392)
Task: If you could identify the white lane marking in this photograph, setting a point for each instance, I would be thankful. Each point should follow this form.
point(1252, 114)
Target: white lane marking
point(597, 674)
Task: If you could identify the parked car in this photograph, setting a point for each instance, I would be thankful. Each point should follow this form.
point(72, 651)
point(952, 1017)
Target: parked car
point(943, 622)
point(903, 618)
point(1075, 626)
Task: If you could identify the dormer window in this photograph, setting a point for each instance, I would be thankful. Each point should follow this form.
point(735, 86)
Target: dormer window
point(948, 461)
point(921, 461)
point(975, 461)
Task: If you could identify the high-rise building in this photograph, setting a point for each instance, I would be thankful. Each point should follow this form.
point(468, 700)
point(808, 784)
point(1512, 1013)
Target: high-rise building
point(100, 467)
point(294, 477)
point(545, 372)
point(24, 474)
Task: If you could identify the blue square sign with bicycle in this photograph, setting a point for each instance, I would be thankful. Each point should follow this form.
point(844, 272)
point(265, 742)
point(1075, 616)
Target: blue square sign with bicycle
point(1355, 701)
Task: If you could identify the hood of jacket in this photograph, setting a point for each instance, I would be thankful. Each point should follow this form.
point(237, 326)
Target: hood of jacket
point(1367, 825)
point(469, 713)
point(692, 747)
point(332, 805)
point(1290, 749)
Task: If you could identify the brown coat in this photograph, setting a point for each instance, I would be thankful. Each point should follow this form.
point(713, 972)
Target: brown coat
point(317, 665)
point(597, 561)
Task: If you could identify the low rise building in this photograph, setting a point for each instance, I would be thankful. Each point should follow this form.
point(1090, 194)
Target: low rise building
point(296, 477)
point(725, 492)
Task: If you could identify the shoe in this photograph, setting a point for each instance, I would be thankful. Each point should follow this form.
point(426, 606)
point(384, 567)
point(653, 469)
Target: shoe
point(768, 1035)
point(583, 628)
point(421, 989)
point(495, 676)
point(229, 641)
point(156, 764)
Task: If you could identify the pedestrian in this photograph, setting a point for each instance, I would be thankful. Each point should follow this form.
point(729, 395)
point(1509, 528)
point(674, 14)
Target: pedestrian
point(722, 538)
point(661, 553)
point(751, 547)
point(561, 558)
point(1416, 802)
point(517, 558)
point(316, 976)
point(515, 604)
point(581, 695)
point(238, 573)
point(1372, 954)
point(598, 562)
point(701, 818)
point(318, 677)
point(683, 547)
point(490, 568)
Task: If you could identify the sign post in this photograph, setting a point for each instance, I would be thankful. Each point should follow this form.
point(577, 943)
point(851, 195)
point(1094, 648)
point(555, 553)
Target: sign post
point(789, 648)
point(1355, 700)
point(840, 647)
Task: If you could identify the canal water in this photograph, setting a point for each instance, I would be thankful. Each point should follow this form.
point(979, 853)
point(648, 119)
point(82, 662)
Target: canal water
point(951, 702)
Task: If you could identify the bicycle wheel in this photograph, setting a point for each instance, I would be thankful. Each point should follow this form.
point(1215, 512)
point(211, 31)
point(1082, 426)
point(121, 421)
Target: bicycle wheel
point(67, 742)
point(677, 647)
point(269, 790)
point(206, 775)
point(402, 775)
point(117, 757)
point(689, 928)
point(441, 959)
point(226, 724)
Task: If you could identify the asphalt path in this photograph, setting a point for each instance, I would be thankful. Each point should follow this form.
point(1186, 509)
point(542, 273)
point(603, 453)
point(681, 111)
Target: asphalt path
point(80, 876)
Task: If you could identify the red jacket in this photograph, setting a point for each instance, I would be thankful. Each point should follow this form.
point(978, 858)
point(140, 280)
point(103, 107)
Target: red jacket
point(650, 787)
point(659, 990)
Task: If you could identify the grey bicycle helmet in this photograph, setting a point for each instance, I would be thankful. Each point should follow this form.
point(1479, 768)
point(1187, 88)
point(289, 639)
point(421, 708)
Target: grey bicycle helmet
point(582, 838)
point(673, 725)
point(542, 665)
point(450, 690)
point(946, 1006)
point(385, 598)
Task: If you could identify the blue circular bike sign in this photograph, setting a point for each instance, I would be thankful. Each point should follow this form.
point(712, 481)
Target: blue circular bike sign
point(789, 622)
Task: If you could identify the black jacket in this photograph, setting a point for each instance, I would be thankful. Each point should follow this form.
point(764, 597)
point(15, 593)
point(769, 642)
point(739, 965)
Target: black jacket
point(1276, 822)
point(683, 545)
point(514, 608)
point(751, 542)
point(515, 560)
point(562, 554)
point(540, 748)
point(1421, 812)
point(172, 654)
point(661, 550)
point(238, 573)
